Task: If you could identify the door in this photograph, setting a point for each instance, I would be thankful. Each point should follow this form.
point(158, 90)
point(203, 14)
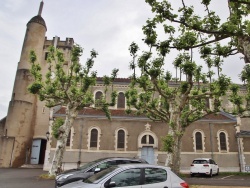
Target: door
point(147, 153)
point(35, 152)
point(157, 178)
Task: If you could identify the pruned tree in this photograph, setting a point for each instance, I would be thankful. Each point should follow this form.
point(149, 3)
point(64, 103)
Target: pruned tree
point(69, 87)
point(178, 105)
point(186, 33)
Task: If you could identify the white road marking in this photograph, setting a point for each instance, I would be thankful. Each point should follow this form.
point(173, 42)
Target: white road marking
point(227, 177)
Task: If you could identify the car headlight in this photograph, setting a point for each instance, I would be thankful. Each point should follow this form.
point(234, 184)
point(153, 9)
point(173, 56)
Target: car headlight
point(63, 177)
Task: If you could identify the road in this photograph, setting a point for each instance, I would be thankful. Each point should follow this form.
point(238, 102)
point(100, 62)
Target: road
point(221, 180)
point(27, 178)
point(23, 178)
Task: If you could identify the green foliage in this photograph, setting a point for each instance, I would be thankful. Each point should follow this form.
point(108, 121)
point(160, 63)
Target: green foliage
point(152, 91)
point(67, 85)
point(168, 143)
point(56, 127)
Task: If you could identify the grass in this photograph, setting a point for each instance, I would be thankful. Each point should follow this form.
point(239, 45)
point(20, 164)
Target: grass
point(235, 173)
point(47, 177)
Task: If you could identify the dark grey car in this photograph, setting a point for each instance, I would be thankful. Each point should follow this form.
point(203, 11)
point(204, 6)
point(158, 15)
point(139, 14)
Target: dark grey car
point(85, 171)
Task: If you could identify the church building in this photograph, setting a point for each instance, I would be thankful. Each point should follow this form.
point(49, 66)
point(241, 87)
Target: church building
point(25, 133)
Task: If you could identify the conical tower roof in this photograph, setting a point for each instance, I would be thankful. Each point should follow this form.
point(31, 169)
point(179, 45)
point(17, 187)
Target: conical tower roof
point(38, 19)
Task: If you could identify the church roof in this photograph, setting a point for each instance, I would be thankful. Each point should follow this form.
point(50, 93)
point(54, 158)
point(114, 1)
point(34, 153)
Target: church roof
point(218, 117)
point(90, 112)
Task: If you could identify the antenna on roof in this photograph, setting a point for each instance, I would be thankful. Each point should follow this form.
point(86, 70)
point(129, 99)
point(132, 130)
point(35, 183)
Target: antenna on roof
point(40, 8)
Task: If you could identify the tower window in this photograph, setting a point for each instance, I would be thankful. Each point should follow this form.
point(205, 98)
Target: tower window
point(98, 97)
point(121, 100)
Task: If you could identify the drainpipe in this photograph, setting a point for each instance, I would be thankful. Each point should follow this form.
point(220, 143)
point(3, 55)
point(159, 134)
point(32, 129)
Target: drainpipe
point(80, 147)
point(240, 153)
point(211, 140)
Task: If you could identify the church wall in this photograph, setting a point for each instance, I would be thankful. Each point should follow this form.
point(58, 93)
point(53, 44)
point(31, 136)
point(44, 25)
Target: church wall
point(245, 124)
point(246, 145)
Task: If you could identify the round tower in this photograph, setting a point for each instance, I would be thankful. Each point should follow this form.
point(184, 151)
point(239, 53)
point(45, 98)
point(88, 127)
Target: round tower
point(21, 114)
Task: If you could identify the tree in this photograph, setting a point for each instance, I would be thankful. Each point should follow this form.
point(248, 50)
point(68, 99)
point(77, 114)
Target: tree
point(69, 87)
point(185, 32)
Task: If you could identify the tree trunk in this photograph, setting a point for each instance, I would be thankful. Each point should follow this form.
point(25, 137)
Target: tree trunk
point(71, 114)
point(174, 158)
point(244, 47)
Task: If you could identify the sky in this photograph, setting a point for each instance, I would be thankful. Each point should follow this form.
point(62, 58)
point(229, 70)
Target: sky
point(108, 26)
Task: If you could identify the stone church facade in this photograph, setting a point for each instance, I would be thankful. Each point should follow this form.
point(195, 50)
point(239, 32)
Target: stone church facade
point(23, 138)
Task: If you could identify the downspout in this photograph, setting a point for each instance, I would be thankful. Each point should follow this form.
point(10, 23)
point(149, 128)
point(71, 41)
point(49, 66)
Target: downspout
point(240, 153)
point(211, 140)
point(80, 147)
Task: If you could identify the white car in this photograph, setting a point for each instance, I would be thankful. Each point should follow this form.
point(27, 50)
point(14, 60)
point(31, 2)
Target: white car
point(132, 175)
point(205, 166)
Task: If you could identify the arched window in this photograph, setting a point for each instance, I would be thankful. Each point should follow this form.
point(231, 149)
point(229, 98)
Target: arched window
point(121, 139)
point(93, 138)
point(198, 141)
point(121, 100)
point(98, 96)
point(144, 139)
point(223, 141)
point(147, 139)
point(151, 140)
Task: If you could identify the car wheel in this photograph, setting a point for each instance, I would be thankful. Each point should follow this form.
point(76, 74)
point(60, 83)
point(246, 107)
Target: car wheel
point(217, 172)
point(211, 173)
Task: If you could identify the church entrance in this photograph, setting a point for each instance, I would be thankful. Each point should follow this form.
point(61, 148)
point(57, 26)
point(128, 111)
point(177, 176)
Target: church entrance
point(147, 153)
point(38, 151)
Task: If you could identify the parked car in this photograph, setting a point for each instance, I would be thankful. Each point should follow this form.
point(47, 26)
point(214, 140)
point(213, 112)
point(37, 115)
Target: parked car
point(205, 166)
point(85, 171)
point(132, 175)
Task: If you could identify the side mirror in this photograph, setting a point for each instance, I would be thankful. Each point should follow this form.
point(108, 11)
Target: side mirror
point(97, 170)
point(112, 184)
point(109, 184)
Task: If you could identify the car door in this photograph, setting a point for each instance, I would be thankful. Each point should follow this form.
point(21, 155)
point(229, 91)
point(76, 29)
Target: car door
point(156, 178)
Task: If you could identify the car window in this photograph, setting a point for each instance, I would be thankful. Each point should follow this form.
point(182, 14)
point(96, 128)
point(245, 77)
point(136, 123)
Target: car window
point(89, 164)
point(102, 166)
point(200, 162)
point(98, 176)
point(135, 161)
point(126, 178)
point(155, 175)
point(122, 162)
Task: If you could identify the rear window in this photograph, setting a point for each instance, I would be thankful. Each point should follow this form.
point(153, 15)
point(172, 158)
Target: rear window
point(200, 162)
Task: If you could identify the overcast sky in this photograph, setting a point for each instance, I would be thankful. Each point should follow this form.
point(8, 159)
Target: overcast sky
point(108, 26)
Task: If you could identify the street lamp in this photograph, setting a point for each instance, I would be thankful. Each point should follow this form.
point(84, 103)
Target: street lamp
point(47, 135)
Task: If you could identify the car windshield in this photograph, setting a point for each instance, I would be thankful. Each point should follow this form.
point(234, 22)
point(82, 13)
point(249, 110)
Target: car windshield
point(90, 164)
point(98, 176)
